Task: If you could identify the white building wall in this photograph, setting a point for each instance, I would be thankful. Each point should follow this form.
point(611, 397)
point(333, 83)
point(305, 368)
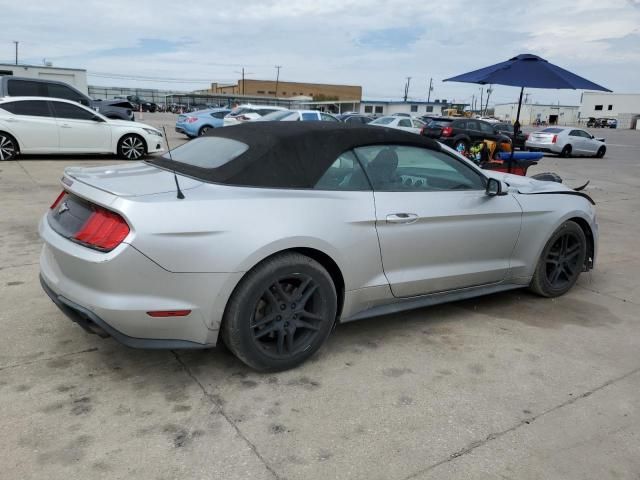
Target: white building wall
point(566, 114)
point(75, 77)
point(609, 105)
point(389, 108)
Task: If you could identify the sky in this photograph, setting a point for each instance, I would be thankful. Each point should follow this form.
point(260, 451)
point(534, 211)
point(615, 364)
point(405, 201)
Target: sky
point(374, 43)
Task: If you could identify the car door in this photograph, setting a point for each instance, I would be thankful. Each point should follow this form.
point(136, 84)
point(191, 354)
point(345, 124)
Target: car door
point(577, 142)
point(33, 124)
point(591, 145)
point(487, 130)
point(438, 230)
point(472, 128)
point(80, 129)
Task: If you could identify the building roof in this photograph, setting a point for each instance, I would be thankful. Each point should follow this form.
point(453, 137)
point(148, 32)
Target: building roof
point(44, 67)
point(538, 105)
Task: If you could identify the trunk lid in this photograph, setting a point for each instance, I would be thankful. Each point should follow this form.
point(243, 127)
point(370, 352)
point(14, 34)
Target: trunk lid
point(130, 180)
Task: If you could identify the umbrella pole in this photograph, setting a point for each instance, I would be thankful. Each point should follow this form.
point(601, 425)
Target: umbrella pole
point(516, 127)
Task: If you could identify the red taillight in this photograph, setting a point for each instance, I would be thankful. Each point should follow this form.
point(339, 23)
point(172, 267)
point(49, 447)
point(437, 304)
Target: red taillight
point(58, 200)
point(526, 137)
point(104, 230)
point(447, 131)
point(554, 139)
point(168, 313)
point(191, 119)
point(422, 131)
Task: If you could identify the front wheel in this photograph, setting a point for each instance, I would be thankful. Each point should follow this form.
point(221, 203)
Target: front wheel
point(8, 147)
point(131, 147)
point(601, 152)
point(281, 312)
point(561, 261)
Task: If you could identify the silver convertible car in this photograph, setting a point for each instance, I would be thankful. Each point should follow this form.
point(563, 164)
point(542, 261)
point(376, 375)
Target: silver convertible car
point(266, 235)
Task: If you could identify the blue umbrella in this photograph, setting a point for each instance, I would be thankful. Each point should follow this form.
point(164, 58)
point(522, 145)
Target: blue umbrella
point(527, 71)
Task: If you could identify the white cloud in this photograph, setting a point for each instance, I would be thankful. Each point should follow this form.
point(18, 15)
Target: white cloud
point(320, 40)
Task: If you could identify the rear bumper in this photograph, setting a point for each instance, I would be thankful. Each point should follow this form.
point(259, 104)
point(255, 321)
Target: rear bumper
point(111, 293)
point(542, 147)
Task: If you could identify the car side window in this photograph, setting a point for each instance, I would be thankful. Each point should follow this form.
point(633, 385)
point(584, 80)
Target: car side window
point(469, 125)
point(72, 112)
point(398, 168)
point(33, 108)
point(344, 174)
point(353, 120)
point(404, 123)
point(62, 91)
point(584, 134)
point(25, 88)
point(219, 115)
point(486, 128)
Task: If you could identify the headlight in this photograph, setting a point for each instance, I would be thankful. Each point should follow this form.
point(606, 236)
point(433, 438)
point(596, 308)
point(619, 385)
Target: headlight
point(152, 131)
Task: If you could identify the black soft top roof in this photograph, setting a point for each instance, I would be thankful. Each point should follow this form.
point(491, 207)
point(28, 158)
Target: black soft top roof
point(289, 154)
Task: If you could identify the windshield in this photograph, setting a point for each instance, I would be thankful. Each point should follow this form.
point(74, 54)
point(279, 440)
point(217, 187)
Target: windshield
point(383, 121)
point(207, 152)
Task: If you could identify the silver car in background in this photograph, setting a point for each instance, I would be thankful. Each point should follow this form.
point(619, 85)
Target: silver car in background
point(267, 234)
point(566, 142)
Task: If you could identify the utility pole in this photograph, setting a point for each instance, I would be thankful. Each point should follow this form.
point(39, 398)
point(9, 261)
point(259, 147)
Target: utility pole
point(526, 98)
point(406, 88)
point(481, 98)
point(473, 103)
point(486, 107)
point(17, 43)
point(430, 89)
point(277, 67)
point(242, 72)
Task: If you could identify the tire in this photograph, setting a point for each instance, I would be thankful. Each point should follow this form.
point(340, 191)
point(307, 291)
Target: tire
point(601, 152)
point(566, 151)
point(461, 142)
point(132, 147)
point(561, 261)
point(203, 130)
point(270, 325)
point(8, 147)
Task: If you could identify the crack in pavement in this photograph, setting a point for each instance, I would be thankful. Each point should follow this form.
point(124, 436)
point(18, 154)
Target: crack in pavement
point(608, 295)
point(88, 350)
point(215, 402)
point(18, 266)
point(27, 173)
point(527, 421)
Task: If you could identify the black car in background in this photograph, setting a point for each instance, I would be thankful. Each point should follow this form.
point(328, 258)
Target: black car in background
point(507, 130)
point(11, 86)
point(354, 118)
point(458, 132)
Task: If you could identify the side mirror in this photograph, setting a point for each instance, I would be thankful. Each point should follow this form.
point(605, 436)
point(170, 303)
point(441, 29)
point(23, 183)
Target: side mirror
point(494, 188)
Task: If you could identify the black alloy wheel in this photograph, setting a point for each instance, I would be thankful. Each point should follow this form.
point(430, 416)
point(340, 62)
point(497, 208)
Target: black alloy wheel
point(601, 152)
point(561, 262)
point(566, 151)
point(8, 147)
point(203, 131)
point(280, 313)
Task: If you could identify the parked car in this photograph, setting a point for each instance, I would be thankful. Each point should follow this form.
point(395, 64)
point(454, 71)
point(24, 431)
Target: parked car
point(429, 118)
point(506, 129)
point(51, 125)
point(199, 123)
point(297, 115)
point(248, 112)
point(139, 103)
point(30, 87)
point(399, 122)
point(354, 118)
point(591, 122)
point(566, 141)
point(461, 133)
point(292, 228)
point(612, 123)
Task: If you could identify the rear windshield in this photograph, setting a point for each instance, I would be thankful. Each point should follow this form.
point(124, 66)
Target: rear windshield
point(440, 123)
point(207, 152)
point(552, 130)
point(383, 121)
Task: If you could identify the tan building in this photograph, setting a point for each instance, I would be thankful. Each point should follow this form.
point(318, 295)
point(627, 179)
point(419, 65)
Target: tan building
point(317, 91)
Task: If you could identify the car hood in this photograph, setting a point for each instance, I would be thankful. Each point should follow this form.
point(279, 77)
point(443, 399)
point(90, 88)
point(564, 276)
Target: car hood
point(130, 179)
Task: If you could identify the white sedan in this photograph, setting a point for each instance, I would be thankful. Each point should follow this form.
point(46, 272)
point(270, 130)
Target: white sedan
point(40, 125)
point(566, 141)
point(412, 125)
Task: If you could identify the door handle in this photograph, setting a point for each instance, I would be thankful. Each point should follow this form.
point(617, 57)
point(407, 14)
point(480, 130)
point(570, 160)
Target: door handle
point(402, 218)
point(65, 125)
point(12, 120)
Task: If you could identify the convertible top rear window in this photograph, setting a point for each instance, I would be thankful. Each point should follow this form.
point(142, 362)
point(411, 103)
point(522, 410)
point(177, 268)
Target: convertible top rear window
point(277, 154)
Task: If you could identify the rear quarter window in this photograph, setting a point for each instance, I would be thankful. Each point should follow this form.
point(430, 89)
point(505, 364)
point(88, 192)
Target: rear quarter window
point(207, 152)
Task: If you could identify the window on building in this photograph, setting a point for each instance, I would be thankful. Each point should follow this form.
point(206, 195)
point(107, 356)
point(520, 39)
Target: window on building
point(260, 91)
point(598, 107)
point(284, 93)
point(368, 109)
point(414, 108)
point(378, 109)
point(610, 107)
point(271, 92)
point(429, 108)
